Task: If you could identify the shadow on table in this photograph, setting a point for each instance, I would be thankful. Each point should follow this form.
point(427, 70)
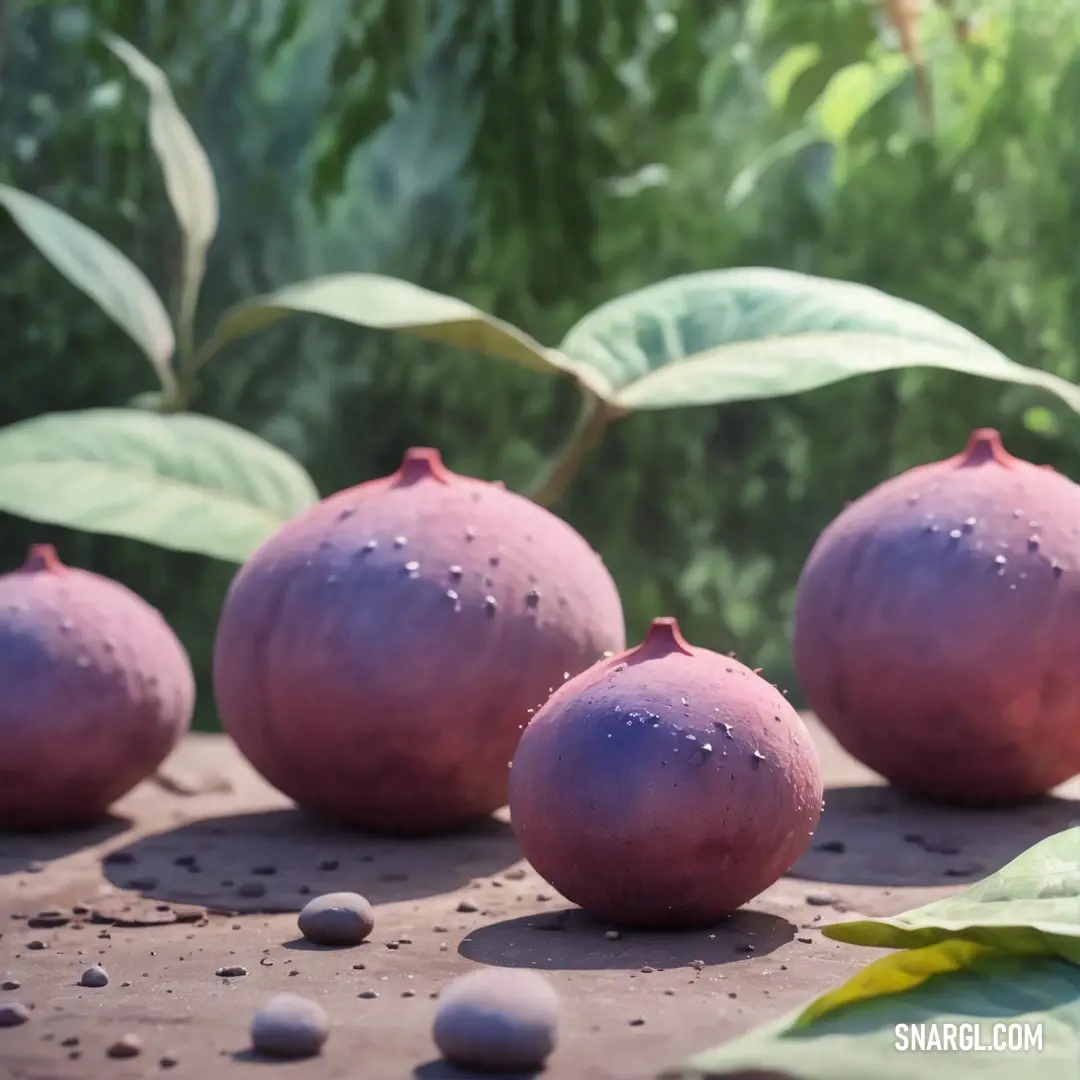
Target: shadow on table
point(573, 940)
point(20, 852)
point(440, 1069)
point(877, 835)
point(276, 860)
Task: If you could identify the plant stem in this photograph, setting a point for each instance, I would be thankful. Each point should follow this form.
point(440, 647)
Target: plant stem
point(561, 468)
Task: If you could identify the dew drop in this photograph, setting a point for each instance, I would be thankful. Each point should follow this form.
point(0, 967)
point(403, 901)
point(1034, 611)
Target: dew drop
point(83, 660)
point(455, 573)
point(955, 534)
point(532, 598)
point(1000, 560)
point(1058, 569)
point(67, 625)
point(371, 545)
point(617, 668)
point(491, 605)
point(1018, 513)
point(913, 499)
point(969, 524)
point(109, 645)
point(1033, 543)
point(400, 541)
point(470, 532)
point(412, 566)
point(451, 594)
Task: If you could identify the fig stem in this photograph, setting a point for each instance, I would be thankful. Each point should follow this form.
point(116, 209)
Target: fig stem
point(561, 468)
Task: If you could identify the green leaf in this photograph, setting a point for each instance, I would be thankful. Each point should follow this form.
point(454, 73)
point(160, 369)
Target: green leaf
point(854, 90)
point(189, 180)
point(782, 75)
point(101, 271)
point(860, 1040)
point(183, 481)
point(735, 335)
point(1031, 904)
point(385, 303)
point(748, 179)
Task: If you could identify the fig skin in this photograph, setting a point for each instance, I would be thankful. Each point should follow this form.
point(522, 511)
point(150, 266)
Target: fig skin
point(95, 691)
point(665, 787)
point(377, 659)
point(937, 628)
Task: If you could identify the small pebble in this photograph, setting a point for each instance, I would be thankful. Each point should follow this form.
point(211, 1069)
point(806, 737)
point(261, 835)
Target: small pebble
point(10, 984)
point(95, 976)
point(289, 1026)
point(168, 1061)
point(13, 1014)
point(127, 1046)
point(497, 1018)
point(341, 918)
point(820, 899)
point(36, 944)
point(612, 935)
point(368, 994)
point(232, 972)
point(466, 907)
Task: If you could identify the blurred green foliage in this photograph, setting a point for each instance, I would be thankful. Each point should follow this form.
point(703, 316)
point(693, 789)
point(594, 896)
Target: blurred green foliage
point(536, 166)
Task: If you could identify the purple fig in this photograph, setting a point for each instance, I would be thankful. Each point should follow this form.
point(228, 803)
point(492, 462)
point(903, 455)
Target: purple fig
point(937, 625)
point(666, 786)
point(378, 657)
point(95, 691)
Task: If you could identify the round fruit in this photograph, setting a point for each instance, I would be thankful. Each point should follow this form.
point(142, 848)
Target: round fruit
point(378, 657)
point(666, 786)
point(937, 627)
point(95, 690)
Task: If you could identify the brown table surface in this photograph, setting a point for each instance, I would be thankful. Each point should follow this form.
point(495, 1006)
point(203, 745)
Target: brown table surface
point(875, 853)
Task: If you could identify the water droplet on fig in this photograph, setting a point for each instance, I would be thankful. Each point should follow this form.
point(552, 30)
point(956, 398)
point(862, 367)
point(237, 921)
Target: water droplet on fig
point(470, 532)
point(400, 541)
point(346, 513)
point(451, 594)
point(532, 598)
point(371, 545)
point(1033, 543)
point(455, 572)
point(969, 524)
point(83, 660)
point(913, 499)
point(109, 645)
point(955, 534)
point(1000, 560)
point(1018, 513)
point(412, 566)
point(1058, 569)
point(491, 605)
point(66, 625)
